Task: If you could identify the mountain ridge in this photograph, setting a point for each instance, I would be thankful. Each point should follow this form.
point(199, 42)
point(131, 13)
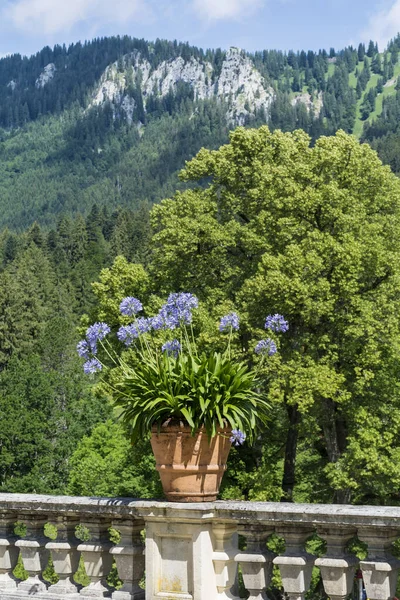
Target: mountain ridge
point(113, 120)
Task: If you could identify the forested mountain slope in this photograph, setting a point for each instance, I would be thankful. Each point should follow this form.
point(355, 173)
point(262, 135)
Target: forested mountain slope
point(90, 137)
point(113, 120)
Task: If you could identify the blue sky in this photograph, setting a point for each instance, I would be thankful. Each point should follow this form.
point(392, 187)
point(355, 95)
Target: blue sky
point(27, 25)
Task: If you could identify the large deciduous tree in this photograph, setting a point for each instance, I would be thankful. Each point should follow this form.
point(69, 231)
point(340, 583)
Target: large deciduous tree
point(313, 233)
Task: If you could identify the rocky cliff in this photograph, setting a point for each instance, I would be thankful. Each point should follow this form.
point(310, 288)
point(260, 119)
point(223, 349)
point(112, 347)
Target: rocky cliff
point(238, 83)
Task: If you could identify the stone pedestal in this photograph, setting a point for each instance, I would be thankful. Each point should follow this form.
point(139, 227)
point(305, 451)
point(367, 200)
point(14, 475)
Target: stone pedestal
point(179, 560)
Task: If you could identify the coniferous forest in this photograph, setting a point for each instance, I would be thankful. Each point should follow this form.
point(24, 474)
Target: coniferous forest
point(78, 179)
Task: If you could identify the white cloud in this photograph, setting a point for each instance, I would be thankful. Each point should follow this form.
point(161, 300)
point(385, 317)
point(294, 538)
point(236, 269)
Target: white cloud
point(216, 10)
point(56, 16)
point(383, 25)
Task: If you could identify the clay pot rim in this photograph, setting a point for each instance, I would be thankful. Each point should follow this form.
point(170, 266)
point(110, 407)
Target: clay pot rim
point(181, 428)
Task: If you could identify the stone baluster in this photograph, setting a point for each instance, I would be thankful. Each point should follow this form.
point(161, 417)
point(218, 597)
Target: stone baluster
point(34, 553)
point(256, 561)
point(129, 557)
point(225, 551)
point(65, 555)
point(96, 557)
point(380, 568)
point(8, 552)
point(337, 565)
point(295, 565)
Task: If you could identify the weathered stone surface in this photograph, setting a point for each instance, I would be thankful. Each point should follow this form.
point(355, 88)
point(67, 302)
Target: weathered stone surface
point(337, 566)
point(191, 549)
point(129, 558)
point(239, 83)
point(256, 561)
point(275, 513)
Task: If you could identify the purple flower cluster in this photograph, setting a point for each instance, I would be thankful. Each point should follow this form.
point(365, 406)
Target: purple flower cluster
point(127, 334)
point(95, 333)
point(178, 310)
point(229, 322)
point(276, 323)
point(172, 348)
point(130, 306)
point(237, 437)
point(267, 346)
point(92, 366)
point(83, 349)
point(157, 322)
point(87, 348)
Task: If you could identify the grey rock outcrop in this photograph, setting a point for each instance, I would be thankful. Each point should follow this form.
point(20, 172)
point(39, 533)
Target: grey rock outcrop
point(46, 75)
point(239, 83)
point(312, 103)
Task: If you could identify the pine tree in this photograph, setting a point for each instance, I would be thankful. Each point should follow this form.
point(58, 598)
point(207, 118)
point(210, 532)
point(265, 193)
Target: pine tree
point(371, 49)
point(359, 89)
point(296, 81)
point(376, 64)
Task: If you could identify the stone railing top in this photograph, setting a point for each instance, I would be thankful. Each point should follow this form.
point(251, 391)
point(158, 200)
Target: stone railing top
point(267, 513)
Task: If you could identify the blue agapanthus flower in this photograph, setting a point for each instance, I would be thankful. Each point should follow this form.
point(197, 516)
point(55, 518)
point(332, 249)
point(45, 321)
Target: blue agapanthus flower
point(143, 325)
point(276, 323)
point(178, 310)
point(229, 322)
point(172, 348)
point(130, 306)
point(92, 366)
point(128, 333)
point(237, 437)
point(266, 346)
point(157, 322)
point(95, 333)
point(83, 349)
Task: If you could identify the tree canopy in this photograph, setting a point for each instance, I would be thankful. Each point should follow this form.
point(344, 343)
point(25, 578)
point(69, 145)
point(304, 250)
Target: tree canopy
point(311, 232)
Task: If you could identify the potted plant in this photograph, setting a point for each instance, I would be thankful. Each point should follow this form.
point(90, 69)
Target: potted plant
point(194, 405)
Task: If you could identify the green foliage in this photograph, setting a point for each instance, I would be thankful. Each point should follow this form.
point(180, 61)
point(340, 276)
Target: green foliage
point(20, 529)
point(275, 231)
point(81, 577)
point(122, 279)
point(278, 229)
point(105, 464)
point(49, 573)
point(19, 571)
point(50, 531)
point(82, 533)
point(60, 154)
point(206, 391)
point(115, 535)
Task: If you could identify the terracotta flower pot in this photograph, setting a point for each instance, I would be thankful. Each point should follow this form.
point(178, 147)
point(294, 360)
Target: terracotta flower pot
point(190, 467)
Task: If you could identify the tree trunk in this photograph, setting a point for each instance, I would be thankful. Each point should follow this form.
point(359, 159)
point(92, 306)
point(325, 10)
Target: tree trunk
point(289, 479)
point(335, 439)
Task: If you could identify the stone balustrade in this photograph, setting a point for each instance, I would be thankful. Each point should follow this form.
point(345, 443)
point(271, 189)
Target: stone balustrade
point(191, 551)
